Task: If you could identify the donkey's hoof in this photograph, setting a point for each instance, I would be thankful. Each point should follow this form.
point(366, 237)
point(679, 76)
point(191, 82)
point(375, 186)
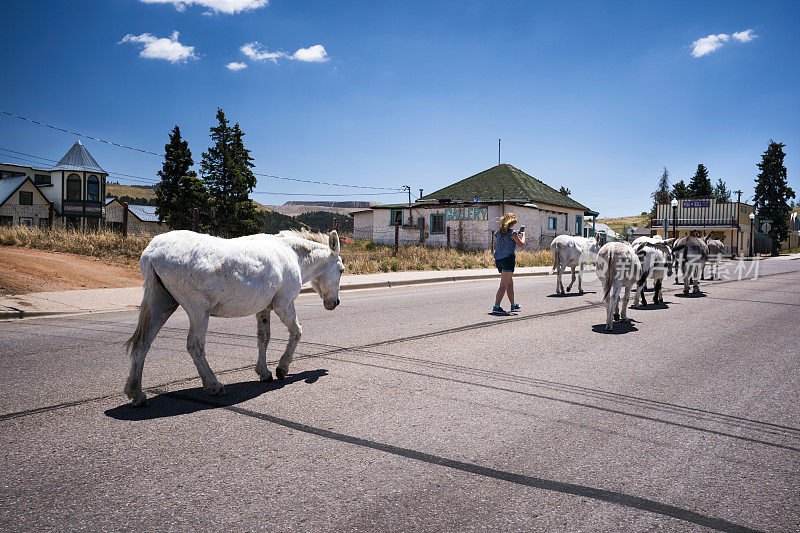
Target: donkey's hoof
point(139, 399)
point(685, 292)
point(569, 288)
point(217, 389)
point(609, 328)
point(616, 317)
point(266, 377)
point(281, 373)
point(580, 291)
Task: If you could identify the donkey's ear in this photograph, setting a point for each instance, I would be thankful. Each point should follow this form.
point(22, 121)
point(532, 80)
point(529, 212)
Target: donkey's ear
point(669, 241)
point(333, 242)
point(722, 239)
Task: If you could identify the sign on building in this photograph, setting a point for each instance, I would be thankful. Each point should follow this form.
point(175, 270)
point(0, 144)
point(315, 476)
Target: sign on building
point(466, 213)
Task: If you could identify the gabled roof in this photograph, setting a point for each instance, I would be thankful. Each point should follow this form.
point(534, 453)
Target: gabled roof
point(78, 159)
point(8, 186)
point(504, 182)
point(145, 213)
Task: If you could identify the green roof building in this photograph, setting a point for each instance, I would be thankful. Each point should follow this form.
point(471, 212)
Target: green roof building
point(466, 214)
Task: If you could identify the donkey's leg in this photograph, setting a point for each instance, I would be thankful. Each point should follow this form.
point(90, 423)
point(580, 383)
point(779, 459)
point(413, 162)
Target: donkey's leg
point(614, 299)
point(696, 288)
point(196, 345)
point(687, 273)
point(571, 283)
point(559, 283)
point(160, 310)
point(262, 320)
point(287, 315)
point(625, 299)
point(580, 278)
point(658, 298)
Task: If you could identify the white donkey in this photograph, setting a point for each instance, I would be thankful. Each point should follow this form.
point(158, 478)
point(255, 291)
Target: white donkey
point(618, 268)
point(572, 251)
point(210, 276)
point(716, 247)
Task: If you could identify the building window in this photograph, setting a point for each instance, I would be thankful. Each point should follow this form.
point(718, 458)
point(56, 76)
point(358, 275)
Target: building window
point(93, 189)
point(11, 174)
point(73, 187)
point(396, 217)
point(42, 179)
point(552, 223)
point(6, 220)
point(25, 198)
point(437, 223)
point(26, 221)
point(578, 224)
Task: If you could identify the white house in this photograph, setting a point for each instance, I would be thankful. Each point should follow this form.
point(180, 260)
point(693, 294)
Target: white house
point(466, 214)
point(75, 186)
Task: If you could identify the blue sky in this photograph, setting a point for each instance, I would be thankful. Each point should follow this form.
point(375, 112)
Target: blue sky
point(595, 96)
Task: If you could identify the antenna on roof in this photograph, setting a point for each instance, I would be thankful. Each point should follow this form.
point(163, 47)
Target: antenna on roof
point(498, 152)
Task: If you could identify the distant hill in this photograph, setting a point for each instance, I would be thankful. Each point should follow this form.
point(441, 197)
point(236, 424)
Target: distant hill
point(134, 191)
point(350, 204)
point(620, 223)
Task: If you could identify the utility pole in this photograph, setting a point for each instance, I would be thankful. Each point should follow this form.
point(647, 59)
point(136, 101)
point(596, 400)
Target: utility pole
point(408, 189)
point(498, 152)
point(738, 225)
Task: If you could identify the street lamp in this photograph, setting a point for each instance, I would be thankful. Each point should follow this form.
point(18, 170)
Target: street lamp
point(752, 231)
point(674, 204)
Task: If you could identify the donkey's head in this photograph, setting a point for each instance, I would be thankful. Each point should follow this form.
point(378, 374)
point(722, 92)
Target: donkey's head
point(326, 283)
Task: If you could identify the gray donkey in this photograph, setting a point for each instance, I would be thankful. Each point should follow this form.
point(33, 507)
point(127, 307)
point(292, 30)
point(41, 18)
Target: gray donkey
point(716, 247)
point(691, 254)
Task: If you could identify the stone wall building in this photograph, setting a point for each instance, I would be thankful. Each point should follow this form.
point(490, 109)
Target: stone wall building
point(142, 219)
point(466, 214)
point(21, 203)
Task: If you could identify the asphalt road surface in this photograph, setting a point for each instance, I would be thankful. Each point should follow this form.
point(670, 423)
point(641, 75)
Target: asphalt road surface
point(413, 409)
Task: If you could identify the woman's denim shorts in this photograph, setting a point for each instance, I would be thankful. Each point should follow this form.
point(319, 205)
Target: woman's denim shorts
point(506, 264)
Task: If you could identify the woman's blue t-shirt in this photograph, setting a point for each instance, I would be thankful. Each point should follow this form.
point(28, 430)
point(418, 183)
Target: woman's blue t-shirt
point(504, 245)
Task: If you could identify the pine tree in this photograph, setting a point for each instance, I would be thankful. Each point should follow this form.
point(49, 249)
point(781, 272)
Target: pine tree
point(773, 193)
point(661, 195)
point(721, 192)
point(565, 191)
point(191, 193)
point(680, 190)
point(227, 171)
point(177, 164)
point(700, 184)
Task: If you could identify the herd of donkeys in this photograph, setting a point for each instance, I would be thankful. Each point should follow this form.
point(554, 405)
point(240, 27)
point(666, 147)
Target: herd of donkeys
point(623, 266)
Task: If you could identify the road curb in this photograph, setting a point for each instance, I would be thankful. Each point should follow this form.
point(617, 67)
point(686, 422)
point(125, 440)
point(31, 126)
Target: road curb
point(15, 315)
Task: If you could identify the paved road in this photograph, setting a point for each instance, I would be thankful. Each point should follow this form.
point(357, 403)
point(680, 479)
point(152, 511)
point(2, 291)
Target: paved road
point(411, 408)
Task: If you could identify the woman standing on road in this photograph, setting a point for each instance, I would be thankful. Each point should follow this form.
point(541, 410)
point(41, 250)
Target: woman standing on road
point(506, 242)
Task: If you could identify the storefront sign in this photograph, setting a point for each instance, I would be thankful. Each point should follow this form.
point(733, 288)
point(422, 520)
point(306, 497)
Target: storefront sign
point(466, 213)
point(696, 203)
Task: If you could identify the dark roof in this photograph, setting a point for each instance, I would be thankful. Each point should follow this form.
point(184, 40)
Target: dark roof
point(9, 186)
point(503, 182)
point(78, 159)
point(145, 213)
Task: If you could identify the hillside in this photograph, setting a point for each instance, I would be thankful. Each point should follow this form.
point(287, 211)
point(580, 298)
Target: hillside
point(134, 191)
point(620, 223)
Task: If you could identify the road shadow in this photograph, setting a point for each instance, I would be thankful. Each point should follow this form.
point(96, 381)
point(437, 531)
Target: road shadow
point(620, 328)
point(700, 294)
point(570, 294)
point(187, 401)
point(652, 307)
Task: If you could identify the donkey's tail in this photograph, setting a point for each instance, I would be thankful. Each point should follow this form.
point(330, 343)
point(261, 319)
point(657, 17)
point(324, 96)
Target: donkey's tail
point(150, 280)
point(555, 249)
point(608, 282)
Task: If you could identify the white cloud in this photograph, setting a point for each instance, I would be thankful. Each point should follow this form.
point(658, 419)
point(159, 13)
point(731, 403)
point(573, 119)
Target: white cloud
point(236, 65)
point(257, 52)
point(744, 36)
point(229, 7)
point(312, 54)
point(167, 48)
point(706, 45)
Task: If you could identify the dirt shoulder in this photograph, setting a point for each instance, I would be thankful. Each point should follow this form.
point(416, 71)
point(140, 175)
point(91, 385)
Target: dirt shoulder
point(25, 270)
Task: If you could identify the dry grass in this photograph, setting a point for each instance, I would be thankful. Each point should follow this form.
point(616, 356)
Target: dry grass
point(366, 257)
point(109, 246)
point(360, 257)
point(117, 190)
point(620, 223)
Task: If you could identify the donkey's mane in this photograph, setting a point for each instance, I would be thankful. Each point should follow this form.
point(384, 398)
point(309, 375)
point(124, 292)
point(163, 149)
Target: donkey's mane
point(305, 234)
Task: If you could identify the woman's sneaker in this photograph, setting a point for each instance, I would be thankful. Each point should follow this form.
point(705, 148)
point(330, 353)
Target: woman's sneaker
point(497, 310)
point(515, 307)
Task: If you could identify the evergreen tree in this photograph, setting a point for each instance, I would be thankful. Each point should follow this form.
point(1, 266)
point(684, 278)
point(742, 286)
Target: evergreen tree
point(565, 191)
point(177, 164)
point(721, 192)
point(661, 195)
point(700, 184)
point(773, 193)
point(191, 193)
point(680, 190)
point(227, 171)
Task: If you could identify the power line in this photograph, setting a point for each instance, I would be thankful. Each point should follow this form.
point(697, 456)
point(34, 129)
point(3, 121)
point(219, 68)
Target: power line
point(329, 183)
point(315, 194)
point(81, 134)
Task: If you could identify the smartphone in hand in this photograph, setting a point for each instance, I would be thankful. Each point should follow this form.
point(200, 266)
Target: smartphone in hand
point(522, 229)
